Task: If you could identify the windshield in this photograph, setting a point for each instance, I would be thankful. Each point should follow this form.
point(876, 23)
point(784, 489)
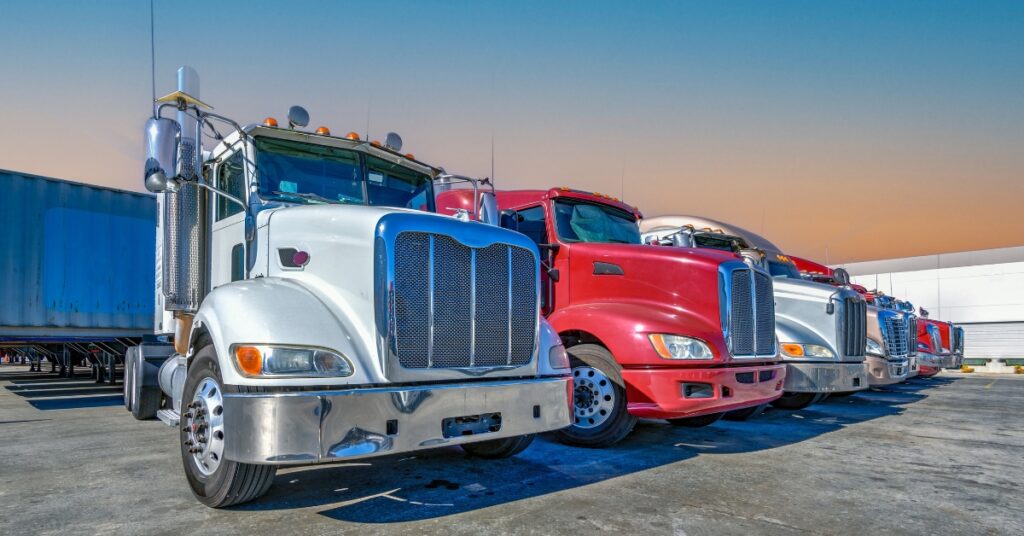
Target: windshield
point(717, 241)
point(581, 221)
point(298, 172)
point(783, 269)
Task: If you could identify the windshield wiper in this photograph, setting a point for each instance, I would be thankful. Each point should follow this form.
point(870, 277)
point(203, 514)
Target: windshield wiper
point(305, 196)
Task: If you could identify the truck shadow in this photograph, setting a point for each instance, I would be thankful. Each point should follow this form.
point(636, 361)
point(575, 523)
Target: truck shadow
point(444, 481)
point(47, 391)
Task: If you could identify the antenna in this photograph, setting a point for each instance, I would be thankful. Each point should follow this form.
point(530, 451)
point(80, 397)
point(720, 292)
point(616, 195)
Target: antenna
point(369, 107)
point(152, 54)
point(492, 158)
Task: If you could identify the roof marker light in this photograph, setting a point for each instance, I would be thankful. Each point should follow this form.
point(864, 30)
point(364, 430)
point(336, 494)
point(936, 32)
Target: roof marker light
point(375, 143)
point(323, 131)
point(410, 156)
point(352, 136)
point(270, 122)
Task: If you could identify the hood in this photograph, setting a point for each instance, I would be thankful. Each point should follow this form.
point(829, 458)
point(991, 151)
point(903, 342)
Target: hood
point(802, 316)
point(352, 266)
point(684, 286)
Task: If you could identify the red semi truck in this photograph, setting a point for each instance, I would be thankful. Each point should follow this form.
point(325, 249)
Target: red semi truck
point(667, 333)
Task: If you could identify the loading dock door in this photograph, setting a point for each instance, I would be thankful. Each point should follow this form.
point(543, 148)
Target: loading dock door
point(994, 340)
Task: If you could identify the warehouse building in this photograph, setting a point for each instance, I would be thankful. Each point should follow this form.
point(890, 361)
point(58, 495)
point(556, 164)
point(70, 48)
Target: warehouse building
point(981, 290)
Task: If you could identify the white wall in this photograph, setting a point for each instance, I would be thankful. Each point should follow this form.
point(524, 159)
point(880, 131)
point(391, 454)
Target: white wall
point(968, 294)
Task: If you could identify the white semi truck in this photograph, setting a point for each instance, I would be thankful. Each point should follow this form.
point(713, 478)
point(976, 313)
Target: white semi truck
point(311, 309)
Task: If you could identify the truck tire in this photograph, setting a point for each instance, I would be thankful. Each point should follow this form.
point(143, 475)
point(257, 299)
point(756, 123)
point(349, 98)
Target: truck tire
point(498, 448)
point(841, 394)
point(143, 402)
point(599, 399)
point(215, 481)
point(697, 422)
point(745, 413)
point(795, 401)
point(127, 387)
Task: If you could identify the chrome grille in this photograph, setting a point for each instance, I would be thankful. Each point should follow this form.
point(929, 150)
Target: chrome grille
point(751, 315)
point(911, 322)
point(455, 306)
point(855, 328)
point(895, 334)
point(936, 338)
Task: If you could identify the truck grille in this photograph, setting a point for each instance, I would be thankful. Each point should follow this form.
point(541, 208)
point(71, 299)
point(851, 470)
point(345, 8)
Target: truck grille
point(957, 333)
point(855, 330)
point(455, 306)
point(894, 331)
point(936, 338)
point(911, 322)
point(751, 316)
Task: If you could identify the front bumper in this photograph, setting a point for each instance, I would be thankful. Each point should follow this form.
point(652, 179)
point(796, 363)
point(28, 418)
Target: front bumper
point(323, 426)
point(914, 370)
point(932, 364)
point(881, 371)
point(825, 377)
point(677, 393)
point(957, 361)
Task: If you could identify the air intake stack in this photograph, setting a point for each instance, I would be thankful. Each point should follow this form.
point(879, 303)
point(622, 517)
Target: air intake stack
point(184, 215)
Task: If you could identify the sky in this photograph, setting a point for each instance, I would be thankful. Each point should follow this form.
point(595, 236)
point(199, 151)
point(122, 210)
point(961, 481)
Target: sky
point(842, 131)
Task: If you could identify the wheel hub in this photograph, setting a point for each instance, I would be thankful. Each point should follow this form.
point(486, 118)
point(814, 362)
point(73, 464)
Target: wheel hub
point(593, 397)
point(204, 426)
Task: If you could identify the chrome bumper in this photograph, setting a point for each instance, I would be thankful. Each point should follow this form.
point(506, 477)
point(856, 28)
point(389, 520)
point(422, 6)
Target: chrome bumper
point(323, 426)
point(881, 371)
point(937, 361)
point(825, 377)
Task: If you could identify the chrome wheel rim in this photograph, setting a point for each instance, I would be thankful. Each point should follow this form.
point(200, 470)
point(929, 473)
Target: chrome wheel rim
point(593, 397)
point(204, 426)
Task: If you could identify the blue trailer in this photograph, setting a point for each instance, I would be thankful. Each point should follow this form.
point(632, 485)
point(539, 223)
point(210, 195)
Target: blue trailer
point(77, 271)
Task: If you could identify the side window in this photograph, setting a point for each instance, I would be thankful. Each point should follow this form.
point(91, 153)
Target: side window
point(231, 178)
point(532, 223)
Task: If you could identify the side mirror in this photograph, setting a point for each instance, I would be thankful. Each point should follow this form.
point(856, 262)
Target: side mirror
point(841, 276)
point(509, 220)
point(487, 212)
point(162, 136)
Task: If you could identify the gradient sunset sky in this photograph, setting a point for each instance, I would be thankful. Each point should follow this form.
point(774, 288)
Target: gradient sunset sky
point(865, 129)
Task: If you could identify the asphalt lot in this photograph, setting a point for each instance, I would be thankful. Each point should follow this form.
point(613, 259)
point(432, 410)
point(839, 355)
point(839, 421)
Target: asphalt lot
point(939, 456)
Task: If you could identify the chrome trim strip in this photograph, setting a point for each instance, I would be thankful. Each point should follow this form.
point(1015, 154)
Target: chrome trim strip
point(430, 297)
point(472, 307)
point(508, 356)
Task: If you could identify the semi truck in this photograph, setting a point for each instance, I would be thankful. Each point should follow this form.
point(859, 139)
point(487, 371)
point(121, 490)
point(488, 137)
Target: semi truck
point(892, 336)
point(312, 310)
point(821, 329)
point(681, 335)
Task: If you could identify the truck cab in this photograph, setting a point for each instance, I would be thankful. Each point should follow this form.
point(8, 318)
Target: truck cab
point(891, 335)
point(681, 335)
point(317, 311)
point(821, 329)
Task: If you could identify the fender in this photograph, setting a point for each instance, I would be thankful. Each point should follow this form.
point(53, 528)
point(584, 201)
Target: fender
point(623, 329)
point(273, 310)
point(790, 329)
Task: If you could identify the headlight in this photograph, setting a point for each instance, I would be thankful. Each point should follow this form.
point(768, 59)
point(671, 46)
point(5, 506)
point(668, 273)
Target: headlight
point(558, 358)
point(679, 347)
point(791, 349)
point(874, 348)
point(290, 361)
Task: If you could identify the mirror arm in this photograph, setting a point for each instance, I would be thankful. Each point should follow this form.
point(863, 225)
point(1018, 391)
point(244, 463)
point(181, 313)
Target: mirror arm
point(223, 194)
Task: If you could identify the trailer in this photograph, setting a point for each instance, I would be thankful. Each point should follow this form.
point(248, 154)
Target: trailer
point(77, 272)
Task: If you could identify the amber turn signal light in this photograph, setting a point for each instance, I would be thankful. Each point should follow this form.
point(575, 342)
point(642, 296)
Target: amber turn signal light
point(249, 359)
point(793, 350)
